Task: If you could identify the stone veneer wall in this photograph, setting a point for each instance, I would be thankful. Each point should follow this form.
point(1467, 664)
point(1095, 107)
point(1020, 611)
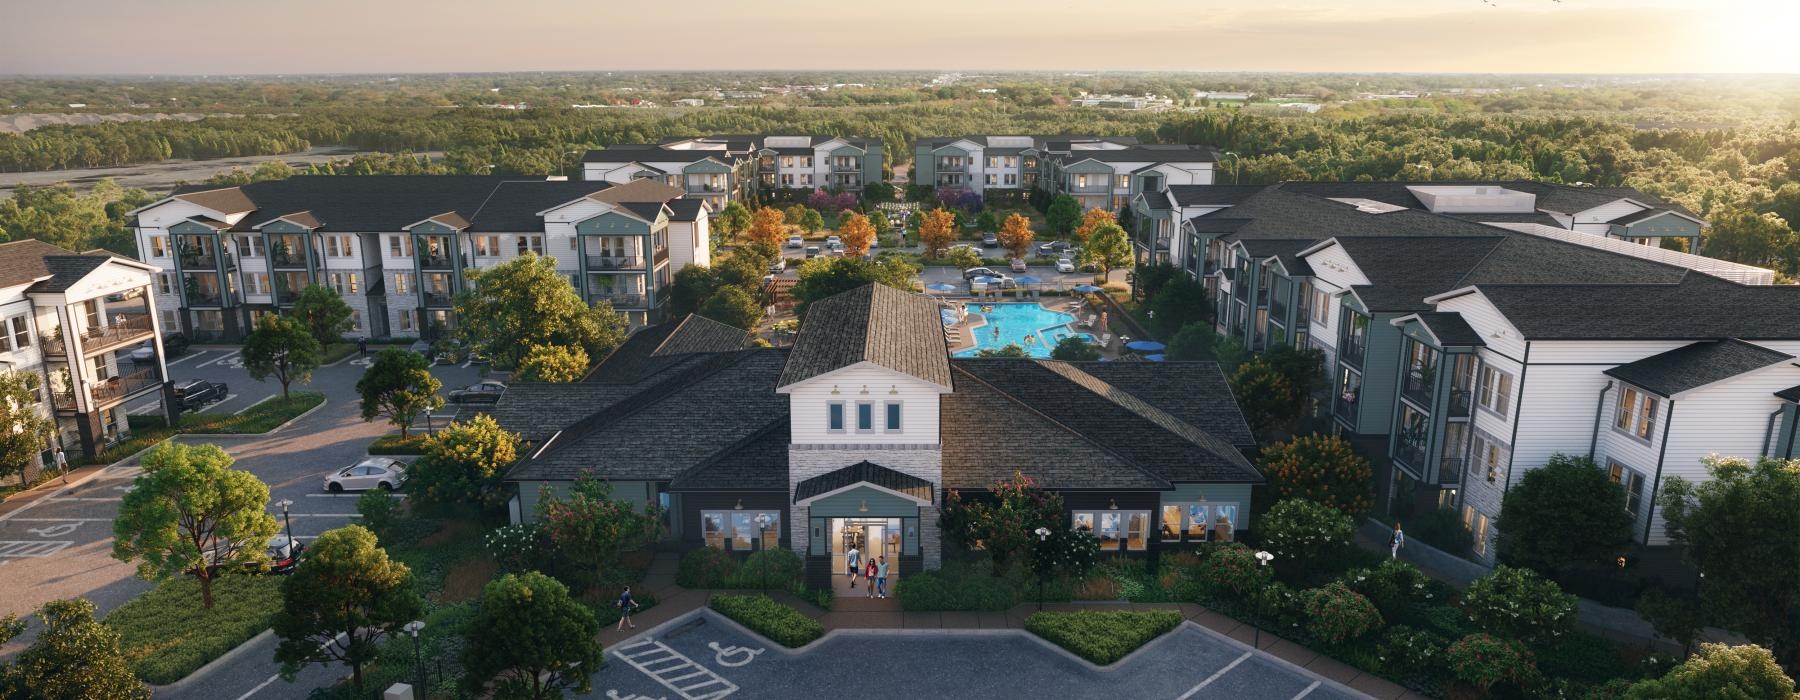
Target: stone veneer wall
point(923, 461)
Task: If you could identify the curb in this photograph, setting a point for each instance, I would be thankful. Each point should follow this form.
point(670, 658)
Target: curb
point(228, 657)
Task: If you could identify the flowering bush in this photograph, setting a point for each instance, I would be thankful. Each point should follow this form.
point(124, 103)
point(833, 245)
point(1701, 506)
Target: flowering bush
point(515, 547)
point(1337, 614)
point(1305, 534)
point(706, 567)
point(1393, 587)
point(589, 530)
point(1320, 468)
point(1481, 660)
point(1404, 650)
point(1232, 571)
point(1520, 604)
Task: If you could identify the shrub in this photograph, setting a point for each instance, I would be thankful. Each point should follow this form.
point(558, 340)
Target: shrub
point(957, 586)
point(1721, 671)
point(1566, 512)
point(379, 510)
point(1406, 651)
point(771, 568)
point(1520, 604)
point(516, 547)
point(1337, 614)
point(1232, 571)
point(706, 567)
point(165, 634)
point(1320, 468)
point(1102, 637)
point(1583, 658)
point(396, 445)
point(780, 623)
point(1394, 586)
point(1305, 536)
point(1481, 660)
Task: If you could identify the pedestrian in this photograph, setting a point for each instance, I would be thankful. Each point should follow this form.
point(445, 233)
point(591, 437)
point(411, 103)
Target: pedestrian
point(1396, 542)
point(881, 577)
point(626, 605)
point(853, 558)
point(362, 346)
point(869, 571)
point(62, 464)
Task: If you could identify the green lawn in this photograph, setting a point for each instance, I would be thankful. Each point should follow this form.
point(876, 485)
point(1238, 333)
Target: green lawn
point(1102, 637)
point(166, 634)
point(413, 444)
point(261, 418)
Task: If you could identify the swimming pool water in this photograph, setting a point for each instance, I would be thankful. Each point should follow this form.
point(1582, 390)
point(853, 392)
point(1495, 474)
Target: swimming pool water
point(1017, 321)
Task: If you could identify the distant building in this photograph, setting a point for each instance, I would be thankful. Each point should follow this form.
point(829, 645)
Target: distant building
point(1224, 96)
point(722, 168)
point(690, 102)
point(1099, 172)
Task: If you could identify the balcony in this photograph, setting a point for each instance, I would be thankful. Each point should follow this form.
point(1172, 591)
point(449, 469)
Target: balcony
point(192, 259)
point(1411, 451)
point(286, 257)
point(1417, 387)
point(1460, 402)
point(1351, 352)
point(659, 256)
point(133, 328)
point(619, 300)
point(436, 262)
point(615, 262)
point(286, 295)
point(950, 167)
point(1450, 471)
point(702, 188)
point(122, 386)
point(1344, 405)
point(437, 299)
point(205, 298)
point(850, 166)
point(1278, 310)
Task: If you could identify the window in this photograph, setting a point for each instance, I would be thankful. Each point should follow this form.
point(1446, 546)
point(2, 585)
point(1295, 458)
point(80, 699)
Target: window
point(344, 282)
point(1496, 390)
point(20, 332)
point(338, 247)
point(250, 245)
point(1321, 307)
point(1081, 181)
point(1198, 522)
point(353, 283)
point(1468, 516)
point(403, 282)
point(256, 283)
point(531, 244)
point(405, 318)
point(1124, 181)
point(893, 416)
point(1171, 530)
point(159, 246)
point(1489, 457)
point(865, 417)
point(787, 162)
point(487, 246)
point(1480, 532)
point(1118, 529)
point(356, 320)
point(1633, 483)
point(1636, 413)
point(741, 530)
point(400, 246)
point(834, 417)
point(164, 284)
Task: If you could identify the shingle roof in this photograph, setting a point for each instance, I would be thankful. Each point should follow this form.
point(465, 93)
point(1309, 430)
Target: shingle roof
point(1284, 249)
point(988, 435)
point(1450, 329)
point(1195, 392)
point(1693, 366)
point(864, 472)
point(1218, 195)
point(873, 323)
point(1699, 307)
point(656, 348)
point(44, 266)
point(759, 462)
point(685, 209)
point(1791, 393)
point(513, 207)
point(225, 200)
point(367, 202)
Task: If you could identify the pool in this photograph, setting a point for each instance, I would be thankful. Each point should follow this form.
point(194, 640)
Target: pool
point(1018, 321)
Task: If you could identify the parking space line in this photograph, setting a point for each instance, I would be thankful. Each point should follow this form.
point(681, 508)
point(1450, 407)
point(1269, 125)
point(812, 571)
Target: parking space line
point(218, 403)
point(60, 499)
point(254, 405)
point(1308, 690)
point(15, 549)
point(195, 354)
point(717, 686)
point(227, 356)
point(1215, 676)
point(62, 520)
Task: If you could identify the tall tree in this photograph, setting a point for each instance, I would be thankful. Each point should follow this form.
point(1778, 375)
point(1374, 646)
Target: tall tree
point(532, 635)
point(323, 313)
point(1006, 524)
point(1015, 235)
point(281, 347)
point(1265, 396)
point(21, 445)
point(463, 463)
point(398, 385)
point(190, 512)
point(768, 226)
point(526, 302)
point(1320, 468)
point(559, 364)
point(1744, 236)
point(1108, 249)
point(1062, 215)
point(690, 288)
point(733, 219)
point(1090, 222)
point(1564, 513)
point(75, 656)
point(812, 221)
point(823, 277)
point(340, 604)
point(856, 232)
point(937, 228)
point(1741, 528)
point(733, 306)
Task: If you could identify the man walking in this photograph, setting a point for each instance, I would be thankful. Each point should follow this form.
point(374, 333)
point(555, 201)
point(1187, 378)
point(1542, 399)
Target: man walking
point(1395, 543)
point(62, 464)
point(881, 576)
point(851, 559)
point(626, 605)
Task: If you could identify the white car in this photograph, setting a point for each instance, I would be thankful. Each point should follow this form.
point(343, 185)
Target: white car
point(795, 242)
point(372, 473)
point(1065, 265)
point(833, 240)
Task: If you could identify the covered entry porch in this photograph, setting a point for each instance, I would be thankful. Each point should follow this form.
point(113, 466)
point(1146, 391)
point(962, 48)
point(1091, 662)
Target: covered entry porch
point(867, 508)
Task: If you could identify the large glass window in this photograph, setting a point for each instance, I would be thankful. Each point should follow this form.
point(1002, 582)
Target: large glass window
point(1636, 413)
point(1496, 390)
point(1633, 483)
point(1127, 530)
point(1170, 529)
point(1198, 522)
point(1355, 338)
point(865, 417)
point(741, 530)
point(834, 417)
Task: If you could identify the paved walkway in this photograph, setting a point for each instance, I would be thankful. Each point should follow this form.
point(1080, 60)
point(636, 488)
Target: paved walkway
point(863, 613)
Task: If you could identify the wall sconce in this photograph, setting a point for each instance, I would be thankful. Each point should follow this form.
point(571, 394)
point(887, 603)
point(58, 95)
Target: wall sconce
point(864, 508)
point(834, 390)
point(893, 390)
point(865, 390)
point(739, 506)
point(1114, 506)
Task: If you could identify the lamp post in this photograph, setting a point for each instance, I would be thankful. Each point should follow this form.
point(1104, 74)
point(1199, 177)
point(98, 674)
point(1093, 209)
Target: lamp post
point(413, 628)
point(1043, 534)
point(1235, 162)
point(1263, 557)
point(286, 521)
point(762, 529)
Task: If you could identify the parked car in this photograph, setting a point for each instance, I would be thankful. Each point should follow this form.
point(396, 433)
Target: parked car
point(1065, 265)
point(989, 240)
point(795, 242)
point(1018, 265)
point(480, 392)
point(174, 343)
point(777, 267)
point(1053, 248)
point(194, 394)
point(833, 241)
point(383, 473)
point(975, 272)
point(284, 554)
point(812, 251)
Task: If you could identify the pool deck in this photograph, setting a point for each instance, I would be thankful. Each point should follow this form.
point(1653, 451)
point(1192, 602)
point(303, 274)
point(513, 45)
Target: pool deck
point(961, 336)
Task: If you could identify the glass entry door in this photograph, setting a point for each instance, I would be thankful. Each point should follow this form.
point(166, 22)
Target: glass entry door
point(871, 538)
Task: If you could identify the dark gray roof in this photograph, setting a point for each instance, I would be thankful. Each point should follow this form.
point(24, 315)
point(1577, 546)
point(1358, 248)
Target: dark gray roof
point(44, 266)
point(860, 472)
point(537, 410)
point(1195, 392)
point(1156, 153)
point(639, 153)
point(696, 333)
point(1533, 218)
point(873, 323)
point(1791, 393)
point(1210, 195)
point(1284, 249)
point(759, 462)
point(358, 203)
point(513, 207)
point(1697, 365)
point(1450, 329)
point(987, 436)
point(656, 348)
point(685, 209)
point(1699, 307)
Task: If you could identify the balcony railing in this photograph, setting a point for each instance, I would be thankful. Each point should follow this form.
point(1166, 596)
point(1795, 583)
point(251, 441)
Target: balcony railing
point(1412, 452)
point(702, 188)
point(1352, 351)
point(134, 327)
point(439, 299)
point(1344, 405)
point(437, 262)
point(191, 259)
point(1450, 471)
point(62, 400)
point(659, 256)
point(125, 385)
point(204, 298)
point(290, 258)
point(1278, 309)
point(619, 300)
point(1460, 402)
point(848, 167)
point(1417, 387)
point(286, 295)
point(944, 167)
point(615, 262)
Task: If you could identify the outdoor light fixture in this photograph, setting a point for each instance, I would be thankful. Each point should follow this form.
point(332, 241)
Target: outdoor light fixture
point(1264, 557)
point(739, 506)
point(1114, 505)
point(1043, 533)
point(834, 390)
point(893, 389)
point(864, 508)
point(865, 390)
point(413, 628)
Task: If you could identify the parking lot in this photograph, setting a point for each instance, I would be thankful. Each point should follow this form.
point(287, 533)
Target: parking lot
point(707, 657)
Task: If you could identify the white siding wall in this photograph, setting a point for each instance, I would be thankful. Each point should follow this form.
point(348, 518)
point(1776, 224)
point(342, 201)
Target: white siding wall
point(919, 411)
point(1334, 265)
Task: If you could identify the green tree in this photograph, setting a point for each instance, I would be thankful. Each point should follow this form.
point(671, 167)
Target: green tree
point(1564, 513)
point(281, 347)
point(733, 306)
point(525, 302)
point(1305, 536)
point(534, 637)
point(1174, 303)
point(553, 363)
point(1742, 235)
point(690, 288)
point(20, 448)
point(74, 656)
point(1519, 604)
point(190, 512)
point(1010, 350)
point(823, 277)
point(1265, 396)
point(323, 313)
point(733, 219)
point(463, 463)
point(1004, 525)
point(590, 531)
point(1193, 342)
point(1089, 222)
point(1075, 349)
point(878, 192)
point(812, 221)
point(986, 221)
point(1720, 671)
point(1320, 468)
point(1062, 215)
point(1109, 249)
point(339, 604)
point(398, 385)
point(1741, 528)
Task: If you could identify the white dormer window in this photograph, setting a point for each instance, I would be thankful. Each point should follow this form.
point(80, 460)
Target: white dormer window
point(834, 417)
point(893, 416)
point(865, 417)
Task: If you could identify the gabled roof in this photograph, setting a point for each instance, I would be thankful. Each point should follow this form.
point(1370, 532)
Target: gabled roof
point(1791, 393)
point(861, 473)
point(874, 323)
point(46, 267)
point(1698, 307)
point(637, 191)
point(759, 462)
point(365, 203)
point(1693, 366)
point(225, 200)
point(1212, 195)
point(1448, 327)
point(655, 348)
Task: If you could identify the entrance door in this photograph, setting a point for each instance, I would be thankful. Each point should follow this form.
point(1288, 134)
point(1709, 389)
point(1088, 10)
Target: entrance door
point(873, 538)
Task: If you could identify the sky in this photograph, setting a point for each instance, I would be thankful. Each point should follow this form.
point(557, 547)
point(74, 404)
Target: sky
point(231, 37)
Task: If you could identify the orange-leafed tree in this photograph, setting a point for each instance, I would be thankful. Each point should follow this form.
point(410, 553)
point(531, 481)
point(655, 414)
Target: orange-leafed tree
point(856, 232)
point(767, 226)
point(1090, 220)
point(1015, 235)
point(937, 228)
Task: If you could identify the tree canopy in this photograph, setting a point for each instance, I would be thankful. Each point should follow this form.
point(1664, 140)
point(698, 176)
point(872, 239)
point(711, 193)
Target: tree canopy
point(398, 385)
point(1108, 249)
point(339, 604)
point(1565, 513)
point(190, 512)
point(536, 639)
point(525, 302)
point(323, 313)
point(19, 449)
point(856, 232)
point(559, 364)
point(825, 276)
point(281, 347)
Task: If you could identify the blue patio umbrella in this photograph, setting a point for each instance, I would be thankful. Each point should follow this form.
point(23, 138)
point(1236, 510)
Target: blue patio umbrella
point(1028, 279)
point(1086, 288)
point(1145, 346)
point(941, 287)
point(1159, 357)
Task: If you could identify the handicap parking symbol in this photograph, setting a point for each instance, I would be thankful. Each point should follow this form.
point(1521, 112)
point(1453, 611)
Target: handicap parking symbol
point(363, 362)
point(56, 530)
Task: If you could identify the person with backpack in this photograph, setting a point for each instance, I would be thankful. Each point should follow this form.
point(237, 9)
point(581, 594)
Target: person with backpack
point(626, 605)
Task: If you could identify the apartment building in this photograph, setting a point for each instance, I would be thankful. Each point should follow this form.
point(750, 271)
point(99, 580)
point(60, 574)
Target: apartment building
point(398, 248)
point(1100, 172)
point(719, 169)
point(1466, 348)
point(74, 320)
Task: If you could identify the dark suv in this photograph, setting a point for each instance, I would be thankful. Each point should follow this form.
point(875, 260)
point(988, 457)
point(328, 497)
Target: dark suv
point(195, 394)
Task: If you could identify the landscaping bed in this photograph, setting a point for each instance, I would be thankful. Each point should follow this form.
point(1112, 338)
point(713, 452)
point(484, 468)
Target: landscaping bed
point(1102, 637)
point(780, 623)
point(166, 634)
point(146, 431)
point(413, 444)
point(708, 568)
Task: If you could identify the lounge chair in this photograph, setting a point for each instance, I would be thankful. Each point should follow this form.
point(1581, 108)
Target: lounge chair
point(1105, 339)
point(1089, 321)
